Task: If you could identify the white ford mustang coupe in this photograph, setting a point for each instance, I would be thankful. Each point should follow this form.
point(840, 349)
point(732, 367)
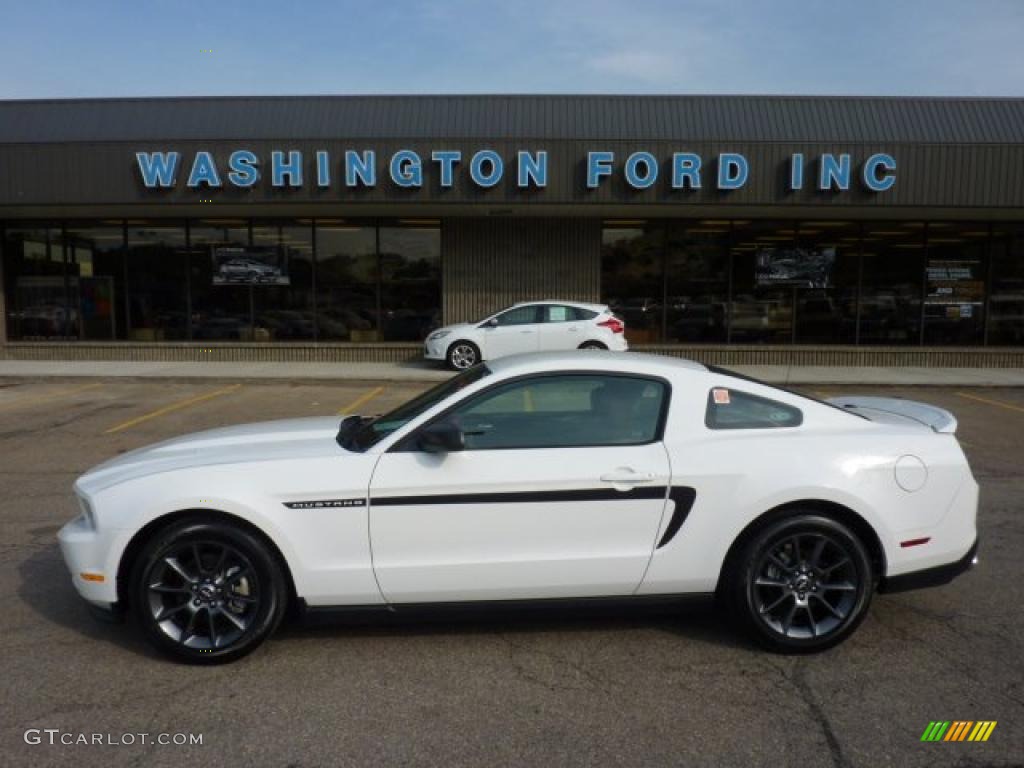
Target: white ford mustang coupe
point(551, 476)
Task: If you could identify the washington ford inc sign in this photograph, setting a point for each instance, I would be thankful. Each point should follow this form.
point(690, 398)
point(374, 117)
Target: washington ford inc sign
point(486, 168)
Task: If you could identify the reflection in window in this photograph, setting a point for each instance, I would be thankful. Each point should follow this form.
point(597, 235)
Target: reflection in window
point(221, 307)
point(827, 259)
point(410, 266)
point(765, 266)
point(955, 269)
point(157, 267)
point(633, 276)
point(38, 306)
point(283, 300)
point(698, 281)
point(1006, 301)
point(890, 305)
point(346, 281)
point(95, 269)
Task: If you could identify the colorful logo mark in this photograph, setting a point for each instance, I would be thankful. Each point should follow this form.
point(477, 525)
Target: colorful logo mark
point(958, 730)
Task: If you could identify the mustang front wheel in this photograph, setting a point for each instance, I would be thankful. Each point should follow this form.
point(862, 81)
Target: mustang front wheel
point(207, 591)
point(802, 584)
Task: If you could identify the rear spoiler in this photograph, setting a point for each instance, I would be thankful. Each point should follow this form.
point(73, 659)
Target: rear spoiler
point(893, 409)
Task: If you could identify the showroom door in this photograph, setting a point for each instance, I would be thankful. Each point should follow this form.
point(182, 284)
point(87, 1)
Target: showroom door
point(553, 496)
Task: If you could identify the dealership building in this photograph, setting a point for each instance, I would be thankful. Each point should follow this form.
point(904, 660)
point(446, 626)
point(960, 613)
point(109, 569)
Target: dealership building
point(733, 229)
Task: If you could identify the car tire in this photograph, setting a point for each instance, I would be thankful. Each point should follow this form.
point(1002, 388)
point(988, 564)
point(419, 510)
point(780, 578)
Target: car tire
point(462, 355)
point(592, 345)
point(207, 592)
point(800, 584)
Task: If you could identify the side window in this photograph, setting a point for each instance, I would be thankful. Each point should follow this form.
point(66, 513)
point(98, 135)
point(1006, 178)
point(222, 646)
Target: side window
point(561, 313)
point(583, 314)
point(730, 409)
point(518, 316)
point(564, 411)
point(556, 313)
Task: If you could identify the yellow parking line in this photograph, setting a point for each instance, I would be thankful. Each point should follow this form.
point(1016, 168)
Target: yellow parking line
point(50, 395)
point(351, 407)
point(997, 403)
point(173, 407)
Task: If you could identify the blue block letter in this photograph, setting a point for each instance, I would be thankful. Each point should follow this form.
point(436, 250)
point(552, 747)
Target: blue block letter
point(158, 168)
point(599, 165)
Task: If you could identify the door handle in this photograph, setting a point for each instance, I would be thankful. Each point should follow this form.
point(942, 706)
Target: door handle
point(627, 477)
point(526, 331)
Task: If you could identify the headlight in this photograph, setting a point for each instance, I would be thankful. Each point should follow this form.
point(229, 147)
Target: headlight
point(87, 512)
point(437, 335)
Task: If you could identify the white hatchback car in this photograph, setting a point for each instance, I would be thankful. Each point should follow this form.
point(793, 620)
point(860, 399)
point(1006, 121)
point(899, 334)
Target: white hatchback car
point(534, 326)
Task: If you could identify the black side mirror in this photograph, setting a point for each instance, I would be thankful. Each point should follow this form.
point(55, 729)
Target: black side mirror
point(441, 437)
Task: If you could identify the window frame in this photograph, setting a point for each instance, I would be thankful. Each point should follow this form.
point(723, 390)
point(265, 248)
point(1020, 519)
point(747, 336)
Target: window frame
point(710, 405)
point(407, 443)
point(536, 314)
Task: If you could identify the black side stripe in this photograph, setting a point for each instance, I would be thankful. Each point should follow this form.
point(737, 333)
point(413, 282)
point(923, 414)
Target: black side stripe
point(590, 494)
point(684, 498)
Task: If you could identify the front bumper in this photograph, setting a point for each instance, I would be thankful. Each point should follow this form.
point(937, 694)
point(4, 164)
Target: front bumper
point(931, 577)
point(435, 350)
point(85, 550)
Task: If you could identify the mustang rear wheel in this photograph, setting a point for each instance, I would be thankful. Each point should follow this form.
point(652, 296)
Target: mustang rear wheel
point(207, 592)
point(801, 584)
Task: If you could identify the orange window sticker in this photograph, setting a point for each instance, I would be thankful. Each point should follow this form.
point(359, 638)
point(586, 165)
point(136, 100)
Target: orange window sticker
point(721, 396)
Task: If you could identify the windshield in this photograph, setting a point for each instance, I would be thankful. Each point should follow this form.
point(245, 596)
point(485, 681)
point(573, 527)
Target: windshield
point(375, 430)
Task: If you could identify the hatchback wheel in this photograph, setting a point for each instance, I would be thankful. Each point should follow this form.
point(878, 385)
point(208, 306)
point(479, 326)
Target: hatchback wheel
point(207, 592)
point(802, 584)
point(463, 355)
point(592, 345)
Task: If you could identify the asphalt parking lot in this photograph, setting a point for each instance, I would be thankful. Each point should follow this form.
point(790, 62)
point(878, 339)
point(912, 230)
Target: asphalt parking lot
point(640, 690)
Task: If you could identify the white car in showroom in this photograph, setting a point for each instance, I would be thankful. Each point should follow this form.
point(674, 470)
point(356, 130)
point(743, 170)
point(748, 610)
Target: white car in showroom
point(532, 326)
point(544, 477)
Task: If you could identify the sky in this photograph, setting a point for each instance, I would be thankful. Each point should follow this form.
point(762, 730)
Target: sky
point(96, 48)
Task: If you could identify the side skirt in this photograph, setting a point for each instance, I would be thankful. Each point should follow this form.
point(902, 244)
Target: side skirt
point(574, 607)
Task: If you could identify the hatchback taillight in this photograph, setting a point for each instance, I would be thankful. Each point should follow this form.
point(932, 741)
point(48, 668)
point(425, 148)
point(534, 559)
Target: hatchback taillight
point(613, 324)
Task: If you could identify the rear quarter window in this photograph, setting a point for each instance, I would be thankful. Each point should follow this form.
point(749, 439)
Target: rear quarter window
point(731, 409)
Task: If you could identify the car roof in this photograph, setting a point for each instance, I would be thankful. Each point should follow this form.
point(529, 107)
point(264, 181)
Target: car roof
point(593, 359)
point(584, 304)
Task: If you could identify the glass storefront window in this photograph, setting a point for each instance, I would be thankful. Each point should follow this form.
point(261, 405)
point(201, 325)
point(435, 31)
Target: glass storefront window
point(156, 260)
point(35, 285)
point(283, 303)
point(346, 281)
point(697, 265)
point(890, 304)
point(633, 276)
point(1006, 299)
point(222, 298)
point(763, 291)
point(954, 293)
point(410, 265)
point(95, 273)
point(826, 277)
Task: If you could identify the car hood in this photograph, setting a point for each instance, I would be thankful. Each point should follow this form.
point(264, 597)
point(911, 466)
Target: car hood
point(262, 441)
point(450, 329)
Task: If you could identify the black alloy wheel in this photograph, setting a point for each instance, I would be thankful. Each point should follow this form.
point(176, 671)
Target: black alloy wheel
point(802, 584)
point(207, 592)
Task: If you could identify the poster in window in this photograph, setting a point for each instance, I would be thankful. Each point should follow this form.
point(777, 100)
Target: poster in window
point(802, 267)
point(955, 289)
point(233, 265)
